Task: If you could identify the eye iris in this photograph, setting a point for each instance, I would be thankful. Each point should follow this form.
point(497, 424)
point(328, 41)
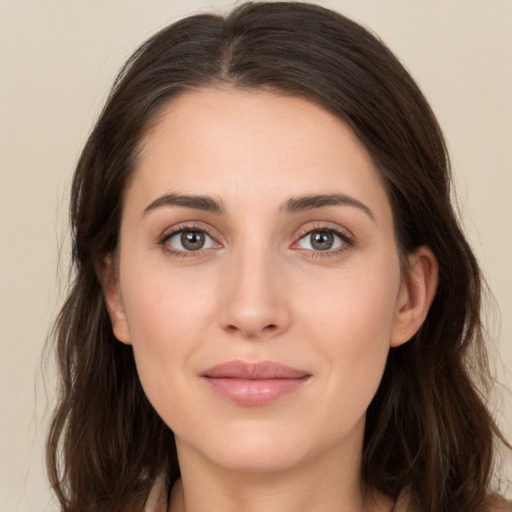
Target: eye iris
point(192, 240)
point(322, 240)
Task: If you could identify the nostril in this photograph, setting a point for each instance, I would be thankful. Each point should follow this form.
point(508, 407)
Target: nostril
point(252, 332)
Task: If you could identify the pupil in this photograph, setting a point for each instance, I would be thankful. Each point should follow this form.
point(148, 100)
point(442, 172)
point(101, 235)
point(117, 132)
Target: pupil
point(192, 240)
point(322, 240)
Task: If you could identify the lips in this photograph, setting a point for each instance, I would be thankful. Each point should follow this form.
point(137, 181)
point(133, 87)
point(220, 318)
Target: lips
point(254, 383)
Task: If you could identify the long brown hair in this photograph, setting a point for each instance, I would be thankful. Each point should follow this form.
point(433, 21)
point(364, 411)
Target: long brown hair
point(427, 428)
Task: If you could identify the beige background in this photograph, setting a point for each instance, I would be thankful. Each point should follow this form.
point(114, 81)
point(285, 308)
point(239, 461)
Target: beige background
point(57, 59)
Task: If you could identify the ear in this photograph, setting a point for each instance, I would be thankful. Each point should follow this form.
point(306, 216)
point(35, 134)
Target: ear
point(110, 284)
point(416, 294)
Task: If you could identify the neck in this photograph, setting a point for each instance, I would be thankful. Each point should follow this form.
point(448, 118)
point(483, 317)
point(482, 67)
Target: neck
point(324, 483)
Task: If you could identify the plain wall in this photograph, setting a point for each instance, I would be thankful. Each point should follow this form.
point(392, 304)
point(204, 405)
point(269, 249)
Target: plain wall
point(57, 60)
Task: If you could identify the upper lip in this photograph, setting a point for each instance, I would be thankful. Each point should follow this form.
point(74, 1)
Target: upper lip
point(254, 371)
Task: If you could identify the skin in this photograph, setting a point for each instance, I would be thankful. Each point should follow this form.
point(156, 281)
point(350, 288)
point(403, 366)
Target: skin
point(260, 290)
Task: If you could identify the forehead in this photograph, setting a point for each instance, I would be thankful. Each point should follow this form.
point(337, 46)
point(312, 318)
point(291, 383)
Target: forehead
point(252, 146)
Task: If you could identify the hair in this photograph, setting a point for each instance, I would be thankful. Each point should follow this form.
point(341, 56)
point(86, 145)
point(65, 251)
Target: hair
point(427, 428)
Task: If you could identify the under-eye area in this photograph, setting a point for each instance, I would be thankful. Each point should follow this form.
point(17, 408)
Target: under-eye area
point(187, 240)
point(324, 240)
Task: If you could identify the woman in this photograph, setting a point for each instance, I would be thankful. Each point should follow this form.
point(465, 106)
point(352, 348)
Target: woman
point(274, 307)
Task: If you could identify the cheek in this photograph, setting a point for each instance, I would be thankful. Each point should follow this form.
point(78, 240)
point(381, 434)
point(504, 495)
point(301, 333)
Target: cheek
point(357, 308)
point(168, 317)
point(166, 307)
point(351, 322)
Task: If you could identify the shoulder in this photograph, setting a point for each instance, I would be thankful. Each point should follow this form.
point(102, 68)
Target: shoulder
point(405, 503)
point(499, 504)
point(157, 499)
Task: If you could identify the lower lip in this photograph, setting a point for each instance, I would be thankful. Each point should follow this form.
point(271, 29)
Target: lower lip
point(254, 391)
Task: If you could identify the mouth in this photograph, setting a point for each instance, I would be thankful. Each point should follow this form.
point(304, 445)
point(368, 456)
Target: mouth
point(254, 383)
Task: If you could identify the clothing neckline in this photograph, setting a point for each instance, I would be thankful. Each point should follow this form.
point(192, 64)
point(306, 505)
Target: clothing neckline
point(158, 498)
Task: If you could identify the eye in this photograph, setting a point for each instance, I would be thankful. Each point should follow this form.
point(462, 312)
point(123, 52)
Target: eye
point(323, 240)
point(189, 240)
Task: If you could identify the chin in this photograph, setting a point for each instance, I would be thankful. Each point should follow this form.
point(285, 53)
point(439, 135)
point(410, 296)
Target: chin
point(249, 447)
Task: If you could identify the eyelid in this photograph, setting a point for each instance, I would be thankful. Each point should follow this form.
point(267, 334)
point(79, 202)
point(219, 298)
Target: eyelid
point(208, 240)
point(319, 225)
point(187, 226)
point(346, 236)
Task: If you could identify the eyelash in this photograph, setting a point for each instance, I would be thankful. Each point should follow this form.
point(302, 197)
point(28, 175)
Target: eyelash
point(180, 229)
point(346, 240)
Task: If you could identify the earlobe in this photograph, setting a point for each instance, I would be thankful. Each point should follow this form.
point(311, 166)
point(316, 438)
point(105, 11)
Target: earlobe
point(113, 300)
point(417, 292)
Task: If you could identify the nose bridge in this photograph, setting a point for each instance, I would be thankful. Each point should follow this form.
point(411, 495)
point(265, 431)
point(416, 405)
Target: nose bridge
point(253, 300)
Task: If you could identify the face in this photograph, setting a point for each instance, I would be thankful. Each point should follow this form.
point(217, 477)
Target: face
point(258, 279)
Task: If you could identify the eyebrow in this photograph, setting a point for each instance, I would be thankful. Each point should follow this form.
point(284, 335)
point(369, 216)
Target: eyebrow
point(305, 203)
point(292, 205)
point(205, 203)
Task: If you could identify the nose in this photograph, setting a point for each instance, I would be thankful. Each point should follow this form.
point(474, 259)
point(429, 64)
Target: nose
point(254, 300)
